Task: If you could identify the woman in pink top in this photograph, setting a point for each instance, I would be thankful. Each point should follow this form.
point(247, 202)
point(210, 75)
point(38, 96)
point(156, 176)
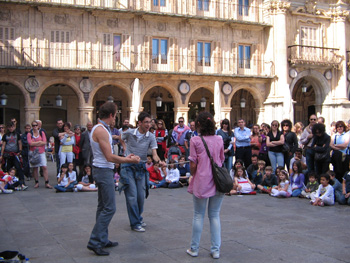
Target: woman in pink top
point(37, 140)
point(202, 185)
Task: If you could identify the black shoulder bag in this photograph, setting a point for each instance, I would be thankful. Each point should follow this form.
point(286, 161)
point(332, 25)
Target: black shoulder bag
point(222, 178)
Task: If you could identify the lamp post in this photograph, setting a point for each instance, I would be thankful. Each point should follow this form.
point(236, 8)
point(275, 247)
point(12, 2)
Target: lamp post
point(159, 100)
point(304, 88)
point(243, 102)
point(59, 99)
point(3, 99)
point(203, 102)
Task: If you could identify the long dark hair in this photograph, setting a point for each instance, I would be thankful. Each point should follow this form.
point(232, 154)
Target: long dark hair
point(205, 123)
point(226, 121)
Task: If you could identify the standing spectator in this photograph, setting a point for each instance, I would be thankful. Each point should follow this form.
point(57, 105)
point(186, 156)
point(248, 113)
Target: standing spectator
point(255, 140)
point(227, 136)
point(85, 145)
point(179, 132)
point(77, 149)
point(2, 132)
point(37, 140)
point(134, 176)
point(291, 139)
point(161, 137)
point(17, 128)
point(191, 133)
point(202, 185)
point(263, 152)
point(125, 123)
point(320, 144)
point(339, 144)
point(11, 149)
point(306, 141)
point(298, 129)
point(55, 133)
point(67, 141)
point(40, 124)
point(154, 124)
point(25, 150)
point(275, 141)
point(242, 143)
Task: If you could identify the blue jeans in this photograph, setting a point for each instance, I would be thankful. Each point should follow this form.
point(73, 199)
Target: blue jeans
point(296, 192)
point(276, 158)
point(160, 184)
point(228, 163)
point(309, 155)
point(105, 208)
point(134, 178)
point(63, 188)
point(214, 207)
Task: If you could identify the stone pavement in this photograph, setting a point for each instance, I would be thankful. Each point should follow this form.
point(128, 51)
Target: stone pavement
point(55, 227)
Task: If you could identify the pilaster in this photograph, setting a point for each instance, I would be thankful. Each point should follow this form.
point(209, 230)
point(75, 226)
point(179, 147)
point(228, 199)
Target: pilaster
point(85, 114)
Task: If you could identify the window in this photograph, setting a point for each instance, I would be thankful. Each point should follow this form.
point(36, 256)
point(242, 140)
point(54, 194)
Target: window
point(116, 48)
point(244, 56)
point(159, 51)
point(59, 37)
point(203, 5)
point(6, 34)
point(203, 53)
point(243, 7)
point(158, 2)
point(308, 36)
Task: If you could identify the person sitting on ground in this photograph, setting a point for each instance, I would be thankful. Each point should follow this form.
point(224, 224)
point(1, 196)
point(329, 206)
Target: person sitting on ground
point(174, 152)
point(283, 189)
point(86, 182)
point(297, 179)
point(324, 194)
point(149, 161)
point(337, 187)
point(172, 175)
point(253, 167)
point(242, 184)
point(258, 178)
point(298, 156)
point(311, 186)
point(184, 169)
point(346, 189)
point(3, 183)
point(238, 164)
point(72, 175)
point(63, 180)
point(156, 179)
point(269, 181)
point(12, 182)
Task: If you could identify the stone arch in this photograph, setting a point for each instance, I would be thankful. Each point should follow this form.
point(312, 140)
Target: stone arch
point(319, 83)
point(98, 86)
point(256, 93)
point(20, 86)
point(71, 84)
point(196, 86)
point(164, 84)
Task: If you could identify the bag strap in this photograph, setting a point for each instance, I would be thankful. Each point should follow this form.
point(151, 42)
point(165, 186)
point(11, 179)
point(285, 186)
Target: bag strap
point(206, 148)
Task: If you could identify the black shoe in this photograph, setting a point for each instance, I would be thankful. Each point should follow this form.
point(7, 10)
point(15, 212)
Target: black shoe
point(111, 244)
point(98, 251)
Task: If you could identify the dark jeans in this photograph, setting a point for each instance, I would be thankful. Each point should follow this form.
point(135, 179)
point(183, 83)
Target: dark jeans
point(26, 168)
point(105, 208)
point(310, 162)
point(340, 164)
point(245, 154)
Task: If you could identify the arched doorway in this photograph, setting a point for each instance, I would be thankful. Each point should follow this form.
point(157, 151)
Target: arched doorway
point(195, 105)
point(50, 111)
point(165, 111)
point(14, 106)
point(304, 100)
point(243, 107)
point(120, 98)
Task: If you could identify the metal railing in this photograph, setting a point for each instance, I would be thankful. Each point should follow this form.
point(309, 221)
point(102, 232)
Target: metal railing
point(217, 9)
point(311, 55)
point(107, 60)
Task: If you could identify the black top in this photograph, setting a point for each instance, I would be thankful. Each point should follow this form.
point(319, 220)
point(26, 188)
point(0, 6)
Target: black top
point(322, 143)
point(277, 149)
point(291, 139)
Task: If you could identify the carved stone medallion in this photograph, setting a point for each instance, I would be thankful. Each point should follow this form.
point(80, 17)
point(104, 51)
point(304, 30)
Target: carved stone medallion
point(31, 84)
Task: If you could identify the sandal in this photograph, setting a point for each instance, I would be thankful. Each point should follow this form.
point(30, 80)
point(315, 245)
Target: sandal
point(36, 185)
point(48, 186)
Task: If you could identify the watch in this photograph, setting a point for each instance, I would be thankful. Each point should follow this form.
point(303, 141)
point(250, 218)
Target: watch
point(184, 88)
point(226, 89)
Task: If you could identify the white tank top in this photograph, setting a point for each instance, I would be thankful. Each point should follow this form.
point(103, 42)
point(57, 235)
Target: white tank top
point(99, 158)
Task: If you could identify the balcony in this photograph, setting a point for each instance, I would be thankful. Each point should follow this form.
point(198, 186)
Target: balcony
point(322, 57)
point(107, 60)
point(216, 9)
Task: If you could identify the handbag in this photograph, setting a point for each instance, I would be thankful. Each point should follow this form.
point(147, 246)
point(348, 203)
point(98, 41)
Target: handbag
point(34, 157)
point(221, 176)
point(285, 148)
point(321, 156)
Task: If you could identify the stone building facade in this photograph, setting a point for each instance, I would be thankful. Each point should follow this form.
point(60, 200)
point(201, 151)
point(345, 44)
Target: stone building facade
point(282, 59)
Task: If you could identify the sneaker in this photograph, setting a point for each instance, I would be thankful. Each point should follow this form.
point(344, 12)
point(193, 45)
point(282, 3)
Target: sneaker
point(138, 229)
point(0, 191)
point(7, 191)
point(215, 254)
point(153, 187)
point(24, 187)
point(192, 253)
point(143, 224)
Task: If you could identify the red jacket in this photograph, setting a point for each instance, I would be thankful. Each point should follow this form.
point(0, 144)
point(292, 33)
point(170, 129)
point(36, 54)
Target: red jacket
point(154, 175)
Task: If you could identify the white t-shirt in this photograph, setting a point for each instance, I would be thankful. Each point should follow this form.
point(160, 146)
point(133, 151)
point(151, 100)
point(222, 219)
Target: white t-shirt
point(64, 181)
point(72, 175)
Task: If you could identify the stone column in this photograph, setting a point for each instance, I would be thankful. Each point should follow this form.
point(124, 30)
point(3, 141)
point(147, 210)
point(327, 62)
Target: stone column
point(181, 112)
point(31, 113)
point(226, 113)
point(259, 115)
point(85, 114)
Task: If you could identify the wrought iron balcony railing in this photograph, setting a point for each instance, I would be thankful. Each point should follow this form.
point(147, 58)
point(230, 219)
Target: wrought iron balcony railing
point(214, 9)
point(316, 56)
point(108, 60)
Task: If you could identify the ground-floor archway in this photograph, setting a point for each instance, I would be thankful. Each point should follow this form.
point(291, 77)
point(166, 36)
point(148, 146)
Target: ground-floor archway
point(243, 107)
point(14, 105)
point(203, 95)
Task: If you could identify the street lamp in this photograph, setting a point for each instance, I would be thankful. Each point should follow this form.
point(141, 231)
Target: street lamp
point(243, 101)
point(304, 88)
point(3, 99)
point(159, 100)
point(110, 97)
point(59, 99)
point(203, 102)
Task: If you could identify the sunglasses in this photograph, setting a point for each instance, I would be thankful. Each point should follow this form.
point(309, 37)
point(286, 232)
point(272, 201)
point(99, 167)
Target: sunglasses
point(312, 119)
point(160, 123)
point(181, 121)
point(274, 125)
point(34, 125)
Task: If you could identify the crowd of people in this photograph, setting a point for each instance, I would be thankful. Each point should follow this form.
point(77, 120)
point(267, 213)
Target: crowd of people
point(281, 159)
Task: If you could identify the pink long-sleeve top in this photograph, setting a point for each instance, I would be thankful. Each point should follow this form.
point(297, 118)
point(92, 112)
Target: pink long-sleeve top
point(202, 184)
point(36, 139)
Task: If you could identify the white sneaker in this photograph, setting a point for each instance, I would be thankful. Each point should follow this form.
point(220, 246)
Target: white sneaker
point(192, 253)
point(215, 254)
point(139, 229)
point(7, 191)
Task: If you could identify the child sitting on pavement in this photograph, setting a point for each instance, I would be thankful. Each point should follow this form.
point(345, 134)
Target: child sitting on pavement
point(156, 179)
point(283, 189)
point(258, 178)
point(172, 176)
point(324, 194)
point(4, 179)
point(86, 182)
point(311, 186)
point(242, 184)
point(184, 169)
point(63, 180)
point(345, 198)
point(269, 181)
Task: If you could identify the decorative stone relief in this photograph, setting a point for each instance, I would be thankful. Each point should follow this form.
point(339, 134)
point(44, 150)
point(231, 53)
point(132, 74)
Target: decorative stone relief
point(61, 19)
point(5, 15)
point(161, 26)
point(205, 30)
point(310, 7)
point(112, 23)
point(247, 34)
point(31, 84)
point(278, 6)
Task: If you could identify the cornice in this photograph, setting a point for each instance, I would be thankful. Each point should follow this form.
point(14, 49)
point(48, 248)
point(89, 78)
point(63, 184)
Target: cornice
point(277, 7)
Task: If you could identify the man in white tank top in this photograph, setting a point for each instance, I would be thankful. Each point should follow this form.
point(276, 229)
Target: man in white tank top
point(102, 172)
